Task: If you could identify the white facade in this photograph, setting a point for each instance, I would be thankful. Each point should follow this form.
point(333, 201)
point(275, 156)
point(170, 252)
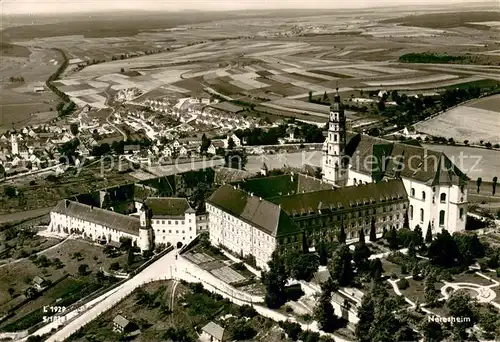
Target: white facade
point(175, 230)
point(61, 223)
point(240, 236)
point(441, 206)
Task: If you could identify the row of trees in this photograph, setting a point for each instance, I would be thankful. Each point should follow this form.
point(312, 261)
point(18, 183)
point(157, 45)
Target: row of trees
point(13, 79)
point(494, 184)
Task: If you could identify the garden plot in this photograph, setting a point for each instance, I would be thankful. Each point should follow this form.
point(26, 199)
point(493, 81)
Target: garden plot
point(198, 258)
point(416, 80)
point(227, 274)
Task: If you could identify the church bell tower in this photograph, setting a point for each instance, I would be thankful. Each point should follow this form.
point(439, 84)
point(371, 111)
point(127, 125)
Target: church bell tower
point(334, 161)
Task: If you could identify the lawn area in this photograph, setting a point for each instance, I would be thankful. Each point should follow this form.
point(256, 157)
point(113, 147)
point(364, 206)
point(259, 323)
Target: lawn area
point(472, 278)
point(18, 276)
point(416, 290)
point(390, 268)
point(150, 309)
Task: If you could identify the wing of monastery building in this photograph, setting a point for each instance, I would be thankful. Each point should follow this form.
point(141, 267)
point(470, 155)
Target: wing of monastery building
point(257, 216)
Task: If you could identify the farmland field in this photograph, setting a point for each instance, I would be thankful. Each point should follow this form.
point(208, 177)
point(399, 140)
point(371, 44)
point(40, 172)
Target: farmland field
point(475, 162)
point(456, 123)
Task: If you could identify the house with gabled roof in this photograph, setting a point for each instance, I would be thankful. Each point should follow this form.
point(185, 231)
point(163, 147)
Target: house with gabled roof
point(214, 333)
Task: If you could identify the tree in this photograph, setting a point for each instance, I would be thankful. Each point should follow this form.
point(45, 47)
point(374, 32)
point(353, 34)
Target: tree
point(324, 312)
point(301, 266)
point(494, 186)
point(11, 292)
point(392, 238)
point(340, 266)
point(361, 236)
point(322, 253)
point(241, 331)
point(376, 269)
point(247, 311)
point(342, 236)
point(432, 331)
point(122, 70)
point(428, 234)
point(366, 315)
point(460, 305)
point(360, 256)
point(130, 257)
point(83, 269)
point(74, 128)
point(430, 291)
point(230, 143)
point(478, 183)
point(10, 191)
point(373, 231)
point(418, 237)
point(275, 280)
point(325, 97)
point(310, 98)
point(443, 250)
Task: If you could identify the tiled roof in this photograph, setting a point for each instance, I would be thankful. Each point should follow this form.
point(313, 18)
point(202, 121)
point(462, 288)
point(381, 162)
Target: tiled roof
point(263, 214)
point(381, 158)
point(121, 321)
point(107, 218)
point(228, 175)
point(214, 330)
point(341, 198)
point(168, 206)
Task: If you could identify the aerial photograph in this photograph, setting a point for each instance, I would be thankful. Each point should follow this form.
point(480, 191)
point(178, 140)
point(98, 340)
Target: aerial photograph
point(249, 170)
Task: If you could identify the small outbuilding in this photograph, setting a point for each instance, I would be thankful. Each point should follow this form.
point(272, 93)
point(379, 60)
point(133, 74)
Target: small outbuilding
point(214, 332)
point(121, 324)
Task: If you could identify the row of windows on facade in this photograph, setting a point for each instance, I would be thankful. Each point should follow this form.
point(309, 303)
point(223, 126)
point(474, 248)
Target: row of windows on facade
point(355, 214)
point(442, 215)
point(169, 221)
point(170, 231)
point(233, 219)
point(442, 197)
point(183, 238)
point(350, 234)
point(246, 240)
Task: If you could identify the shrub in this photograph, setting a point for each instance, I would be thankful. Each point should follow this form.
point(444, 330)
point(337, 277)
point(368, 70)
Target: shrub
point(403, 284)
